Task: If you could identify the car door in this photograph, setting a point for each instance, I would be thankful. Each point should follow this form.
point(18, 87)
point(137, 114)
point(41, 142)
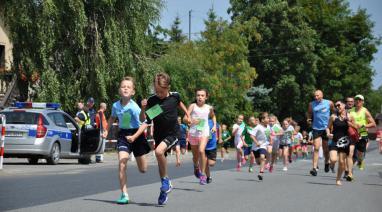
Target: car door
point(90, 141)
point(75, 130)
point(61, 131)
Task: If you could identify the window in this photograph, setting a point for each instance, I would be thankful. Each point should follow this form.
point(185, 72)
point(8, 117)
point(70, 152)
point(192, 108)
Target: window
point(69, 122)
point(2, 57)
point(23, 118)
point(58, 119)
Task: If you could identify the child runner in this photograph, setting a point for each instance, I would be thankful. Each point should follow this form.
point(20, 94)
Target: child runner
point(276, 132)
point(304, 144)
point(211, 149)
point(226, 137)
point(200, 132)
point(183, 136)
point(285, 142)
point(297, 139)
point(162, 111)
point(237, 131)
point(248, 142)
point(129, 115)
point(260, 143)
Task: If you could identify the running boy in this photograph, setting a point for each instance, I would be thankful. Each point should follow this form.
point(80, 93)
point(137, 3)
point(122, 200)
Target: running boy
point(237, 131)
point(248, 142)
point(129, 116)
point(162, 110)
point(226, 137)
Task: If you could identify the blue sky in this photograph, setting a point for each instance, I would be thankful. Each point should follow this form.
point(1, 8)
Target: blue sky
point(200, 8)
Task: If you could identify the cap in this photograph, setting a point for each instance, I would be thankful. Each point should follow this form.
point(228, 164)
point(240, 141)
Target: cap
point(91, 100)
point(359, 96)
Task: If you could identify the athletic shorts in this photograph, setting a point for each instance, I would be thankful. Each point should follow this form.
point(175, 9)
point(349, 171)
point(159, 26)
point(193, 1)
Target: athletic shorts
point(320, 133)
point(194, 140)
point(211, 154)
point(281, 146)
point(361, 144)
point(247, 150)
point(226, 145)
point(259, 152)
point(139, 147)
point(182, 143)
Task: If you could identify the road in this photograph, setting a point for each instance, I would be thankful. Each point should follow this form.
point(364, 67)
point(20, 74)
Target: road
point(72, 187)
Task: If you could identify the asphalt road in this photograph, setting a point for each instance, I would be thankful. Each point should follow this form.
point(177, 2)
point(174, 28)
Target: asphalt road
point(72, 187)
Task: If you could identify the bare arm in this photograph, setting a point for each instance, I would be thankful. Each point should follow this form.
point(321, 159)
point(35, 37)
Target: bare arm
point(329, 129)
point(109, 125)
point(186, 112)
point(214, 120)
point(141, 129)
point(142, 114)
point(309, 113)
point(370, 120)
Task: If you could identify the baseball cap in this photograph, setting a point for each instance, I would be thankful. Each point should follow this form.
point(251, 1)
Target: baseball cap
point(359, 96)
point(91, 100)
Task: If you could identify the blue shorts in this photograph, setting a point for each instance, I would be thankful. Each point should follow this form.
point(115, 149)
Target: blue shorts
point(259, 152)
point(182, 143)
point(139, 147)
point(247, 150)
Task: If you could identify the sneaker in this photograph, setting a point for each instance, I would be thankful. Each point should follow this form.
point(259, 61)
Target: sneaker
point(238, 167)
point(197, 172)
point(162, 199)
point(285, 169)
point(123, 199)
point(260, 176)
point(290, 160)
point(349, 178)
point(209, 180)
point(313, 172)
point(166, 185)
point(203, 180)
point(326, 167)
point(346, 174)
point(332, 169)
point(361, 165)
point(270, 169)
point(318, 168)
point(250, 170)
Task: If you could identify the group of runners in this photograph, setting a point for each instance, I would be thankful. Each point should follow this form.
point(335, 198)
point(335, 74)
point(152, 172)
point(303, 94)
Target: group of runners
point(260, 140)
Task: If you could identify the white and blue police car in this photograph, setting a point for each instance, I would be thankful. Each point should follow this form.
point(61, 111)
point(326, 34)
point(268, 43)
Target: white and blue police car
point(43, 131)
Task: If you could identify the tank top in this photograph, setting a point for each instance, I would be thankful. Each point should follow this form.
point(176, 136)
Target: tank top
point(360, 118)
point(200, 113)
point(321, 114)
point(340, 128)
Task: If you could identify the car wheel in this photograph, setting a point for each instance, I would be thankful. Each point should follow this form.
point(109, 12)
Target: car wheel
point(84, 159)
point(33, 160)
point(54, 156)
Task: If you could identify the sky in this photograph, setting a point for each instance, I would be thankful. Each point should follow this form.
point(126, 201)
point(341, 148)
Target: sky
point(200, 8)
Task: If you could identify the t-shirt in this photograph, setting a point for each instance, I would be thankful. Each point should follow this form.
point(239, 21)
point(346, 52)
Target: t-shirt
point(321, 114)
point(225, 134)
point(128, 115)
point(183, 132)
point(92, 114)
point(297, 138)
point(287, 137)
point(261, 137)
point(166, 123)
point(247, 135)
point(239, 132)
point(276, 128)
point(212, 141)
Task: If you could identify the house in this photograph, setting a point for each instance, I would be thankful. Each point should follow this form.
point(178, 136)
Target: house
point(5, 47)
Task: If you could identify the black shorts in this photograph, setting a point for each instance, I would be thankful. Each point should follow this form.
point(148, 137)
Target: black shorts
point(259, 152)
point(170, 141)
point(281, 146)
point(320, 133)
point(226, 145)
point(139, 147)
point(211, 154)
point(361, 144)
point(333, 147)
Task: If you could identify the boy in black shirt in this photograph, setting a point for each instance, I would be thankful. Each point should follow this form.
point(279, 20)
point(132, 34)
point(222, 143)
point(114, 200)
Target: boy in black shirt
point(162, 110)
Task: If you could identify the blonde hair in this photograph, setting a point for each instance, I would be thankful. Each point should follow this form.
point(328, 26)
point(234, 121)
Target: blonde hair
point(128, 78)
point(163, 80)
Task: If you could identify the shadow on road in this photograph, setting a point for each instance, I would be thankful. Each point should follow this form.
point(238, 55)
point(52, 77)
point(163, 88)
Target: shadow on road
point(188, 189)
point(249, 180)
point(317, 183)
point(132, 203)
point(372, 184)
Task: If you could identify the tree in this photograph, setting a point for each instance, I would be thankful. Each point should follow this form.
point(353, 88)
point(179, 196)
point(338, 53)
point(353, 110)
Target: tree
point(176, 34)
point(82, 48)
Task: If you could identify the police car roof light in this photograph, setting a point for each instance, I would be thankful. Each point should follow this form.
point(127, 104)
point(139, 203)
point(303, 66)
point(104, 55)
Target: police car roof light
point(37, 105)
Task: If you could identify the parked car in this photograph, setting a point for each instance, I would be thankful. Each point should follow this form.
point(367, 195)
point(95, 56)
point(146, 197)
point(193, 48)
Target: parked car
point(42, 130)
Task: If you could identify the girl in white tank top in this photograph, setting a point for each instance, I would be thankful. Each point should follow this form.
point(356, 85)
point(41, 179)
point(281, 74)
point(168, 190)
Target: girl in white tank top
point(200, 132)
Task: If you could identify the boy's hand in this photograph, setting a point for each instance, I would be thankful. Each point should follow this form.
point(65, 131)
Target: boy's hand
point(144, 103)
point(213, 129)
point(130, 138)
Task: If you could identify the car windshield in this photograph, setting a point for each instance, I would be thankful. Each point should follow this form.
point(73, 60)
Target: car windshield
point(21, 117)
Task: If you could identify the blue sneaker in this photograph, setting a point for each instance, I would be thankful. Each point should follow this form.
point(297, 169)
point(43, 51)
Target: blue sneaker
point(162, 199)
point(123, 199)
point(166, 185)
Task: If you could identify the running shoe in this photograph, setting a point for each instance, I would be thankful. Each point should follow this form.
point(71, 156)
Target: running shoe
point(313, 172)
point(260, 176)
point(326, 167)
point(250, 170)
point(203, 180)
point(361, 165)
point(270, 169)
point(123, 199)
point(346, 174)
point(162, 199)
point(285, 169)
point(349, 178)
point(166, 185)
point(209, 180)
point(332, 169)
point(197, 172)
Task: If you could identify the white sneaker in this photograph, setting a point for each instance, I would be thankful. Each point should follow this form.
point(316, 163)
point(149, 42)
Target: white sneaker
point(285, 169)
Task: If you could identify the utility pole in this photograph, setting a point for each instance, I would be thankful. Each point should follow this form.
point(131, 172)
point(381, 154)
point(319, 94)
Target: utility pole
point(189, 25)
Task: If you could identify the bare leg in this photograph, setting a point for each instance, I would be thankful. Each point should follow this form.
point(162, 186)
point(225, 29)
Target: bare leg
point(202, 154)
point(317, 144)
point(341, 167)
point(123, 158)
point(162, 161)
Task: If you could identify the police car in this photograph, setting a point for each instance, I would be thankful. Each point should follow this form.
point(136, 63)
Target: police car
point(42, 130)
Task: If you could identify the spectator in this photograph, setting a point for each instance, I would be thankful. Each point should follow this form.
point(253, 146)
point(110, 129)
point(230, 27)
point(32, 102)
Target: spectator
point(101, 123)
